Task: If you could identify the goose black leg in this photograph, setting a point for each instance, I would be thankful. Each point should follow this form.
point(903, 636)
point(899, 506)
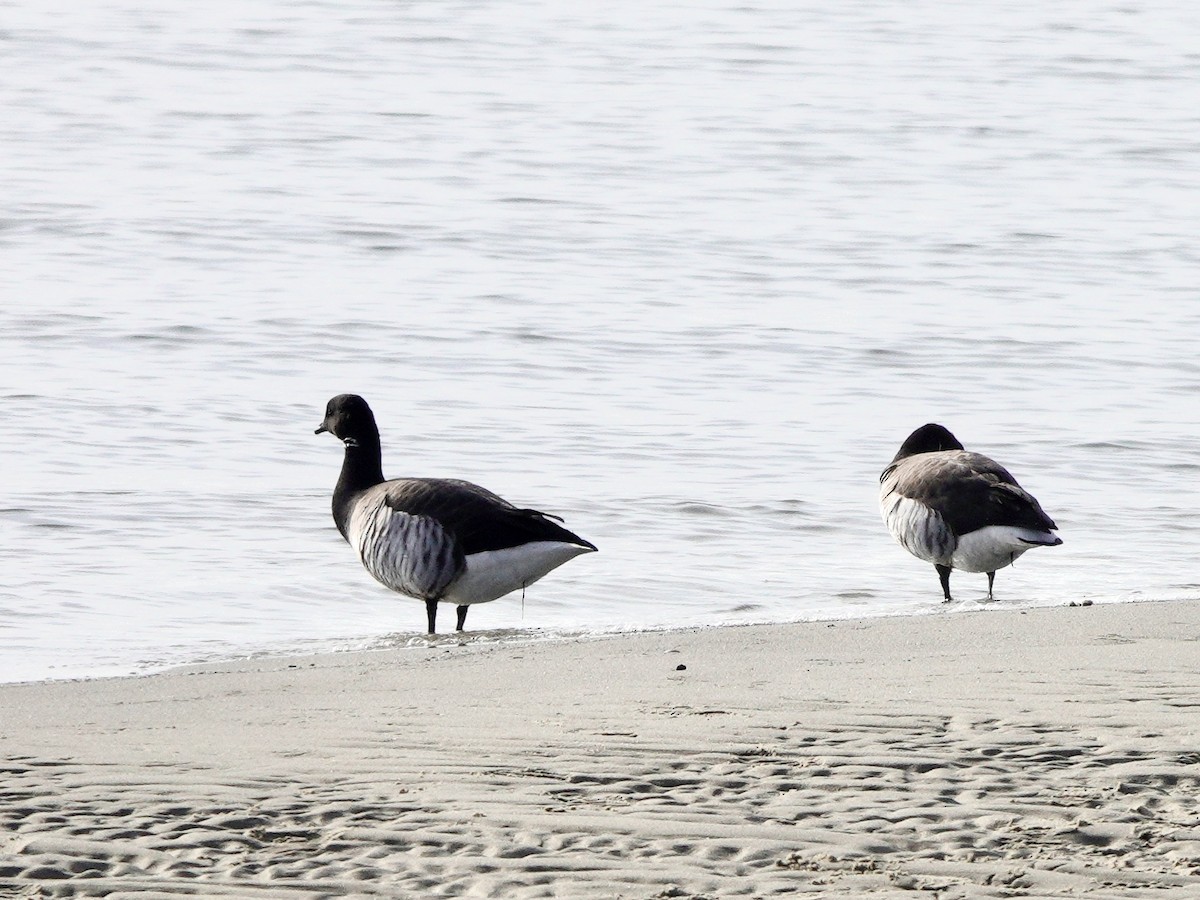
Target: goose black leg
point(462, 616)
point(991, 578)
point(431, 615)
point(944, 575)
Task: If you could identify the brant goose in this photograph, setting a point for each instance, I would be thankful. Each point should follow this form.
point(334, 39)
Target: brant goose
point(957, 509)
point(436, 539)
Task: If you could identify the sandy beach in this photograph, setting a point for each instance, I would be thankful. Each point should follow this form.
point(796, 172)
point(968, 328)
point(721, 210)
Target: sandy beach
point(1003, 753)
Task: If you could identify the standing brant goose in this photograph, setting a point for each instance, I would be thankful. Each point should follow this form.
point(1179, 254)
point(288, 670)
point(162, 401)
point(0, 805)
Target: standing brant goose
point(436, 539)
point(957, 509)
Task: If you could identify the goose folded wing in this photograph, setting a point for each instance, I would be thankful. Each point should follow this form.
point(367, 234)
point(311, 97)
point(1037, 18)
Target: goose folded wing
point(479, 519)
point(966, 489)
point(1011, 504)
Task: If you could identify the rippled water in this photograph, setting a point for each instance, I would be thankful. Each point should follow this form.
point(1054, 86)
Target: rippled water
point(685, 274)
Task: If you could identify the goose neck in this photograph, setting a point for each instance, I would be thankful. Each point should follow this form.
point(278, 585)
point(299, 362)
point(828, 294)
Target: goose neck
point(362, 466)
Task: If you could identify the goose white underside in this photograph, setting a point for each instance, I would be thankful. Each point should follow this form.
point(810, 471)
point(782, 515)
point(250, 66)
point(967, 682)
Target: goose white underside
point(494, 573)
point(996, 546)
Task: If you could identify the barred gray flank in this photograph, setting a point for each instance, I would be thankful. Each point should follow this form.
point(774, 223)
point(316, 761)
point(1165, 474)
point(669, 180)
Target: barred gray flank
point(411, 554)
point(919, 529)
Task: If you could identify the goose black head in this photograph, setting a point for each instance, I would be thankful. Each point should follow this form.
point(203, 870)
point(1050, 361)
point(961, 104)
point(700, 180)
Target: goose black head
point(928, 439)
point(349, 418)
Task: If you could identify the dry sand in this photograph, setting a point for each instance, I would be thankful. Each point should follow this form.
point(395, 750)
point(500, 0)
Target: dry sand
point(1047, 753)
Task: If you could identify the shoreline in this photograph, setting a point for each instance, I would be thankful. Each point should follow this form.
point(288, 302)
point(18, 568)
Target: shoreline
point(1047, 750)
point(401, 641)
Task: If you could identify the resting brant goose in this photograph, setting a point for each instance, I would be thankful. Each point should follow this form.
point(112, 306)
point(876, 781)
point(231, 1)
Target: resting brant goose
point(436, 539)
point(957, 509)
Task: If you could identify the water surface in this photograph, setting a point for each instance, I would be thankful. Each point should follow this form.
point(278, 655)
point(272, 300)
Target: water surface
point(685, 275)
